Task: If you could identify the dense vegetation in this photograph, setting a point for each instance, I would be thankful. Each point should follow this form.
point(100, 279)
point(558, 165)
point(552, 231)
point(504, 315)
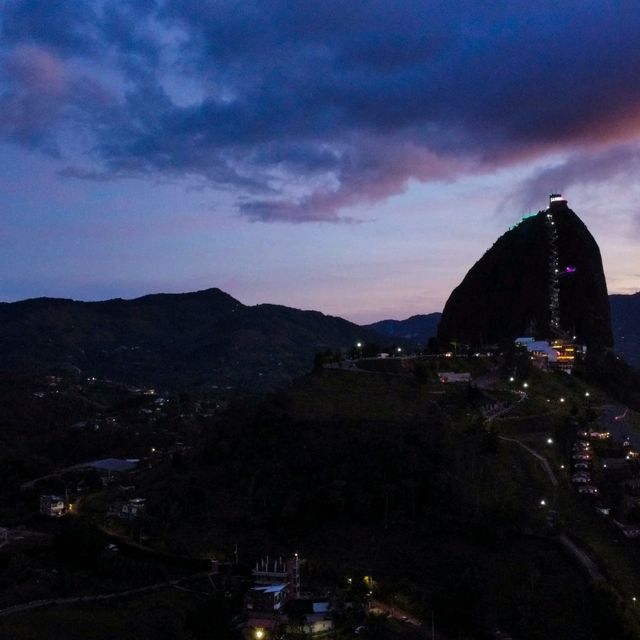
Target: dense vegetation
point(177, 340)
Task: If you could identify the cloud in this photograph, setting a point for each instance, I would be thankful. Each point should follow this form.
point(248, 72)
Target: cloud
point(610, 165)
point(308, 109)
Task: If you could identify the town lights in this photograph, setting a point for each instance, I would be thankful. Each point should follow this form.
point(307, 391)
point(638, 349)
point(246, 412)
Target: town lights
point(511, 379)
point(549, 440)
point(561, 399)
point(258, 634)
point(525, 385)
point(543, 503)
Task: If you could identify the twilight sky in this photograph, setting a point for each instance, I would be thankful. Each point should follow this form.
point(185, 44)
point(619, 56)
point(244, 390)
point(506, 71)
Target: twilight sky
point(351, 157)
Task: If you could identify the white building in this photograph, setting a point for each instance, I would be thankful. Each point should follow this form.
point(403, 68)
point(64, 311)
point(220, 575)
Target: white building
point(52, 506)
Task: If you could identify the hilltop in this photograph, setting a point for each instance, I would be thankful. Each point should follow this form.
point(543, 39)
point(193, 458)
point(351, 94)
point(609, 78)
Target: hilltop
point(507, 293)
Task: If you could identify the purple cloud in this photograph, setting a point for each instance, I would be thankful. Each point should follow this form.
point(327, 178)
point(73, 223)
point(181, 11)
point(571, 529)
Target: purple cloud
point(580, 168)
point(305, 110)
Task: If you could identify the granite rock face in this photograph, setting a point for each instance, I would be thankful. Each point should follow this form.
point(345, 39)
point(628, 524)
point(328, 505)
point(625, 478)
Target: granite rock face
point(506, 294)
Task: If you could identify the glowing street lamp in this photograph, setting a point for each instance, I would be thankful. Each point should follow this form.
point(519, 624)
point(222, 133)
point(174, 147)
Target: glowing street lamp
point(511, 379)
point(561, 399)
point(543, 503)
point(525, 385)
point(549, 440)
point(258, 634)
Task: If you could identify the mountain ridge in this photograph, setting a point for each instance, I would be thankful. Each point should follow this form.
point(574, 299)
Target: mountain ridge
point(171, 339)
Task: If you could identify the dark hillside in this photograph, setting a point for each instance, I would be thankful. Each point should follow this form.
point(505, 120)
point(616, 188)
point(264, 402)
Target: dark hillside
point(173, 340)
point(625, 317)
point(418, 329)
point(367, 474)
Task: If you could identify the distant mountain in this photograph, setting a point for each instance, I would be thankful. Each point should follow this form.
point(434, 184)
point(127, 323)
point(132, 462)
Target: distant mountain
point(508, 293)
point(416, 329)
point(206, 337)
point(625, 320)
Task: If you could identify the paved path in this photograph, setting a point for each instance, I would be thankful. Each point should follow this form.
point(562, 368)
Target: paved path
point(501, 412)
point(37, 604)
point(566, 543)
point(395, 612)
point(543, 461)
point(589, 565)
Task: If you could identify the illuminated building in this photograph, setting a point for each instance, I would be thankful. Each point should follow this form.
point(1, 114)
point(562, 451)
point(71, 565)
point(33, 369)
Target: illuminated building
point(565, 354)
point(52, 506)
point(556, 198)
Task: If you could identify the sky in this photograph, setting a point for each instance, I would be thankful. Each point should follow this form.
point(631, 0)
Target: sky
point(351, 157)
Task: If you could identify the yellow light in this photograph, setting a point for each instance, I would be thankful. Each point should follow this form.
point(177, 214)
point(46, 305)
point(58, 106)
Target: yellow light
point(258, 634)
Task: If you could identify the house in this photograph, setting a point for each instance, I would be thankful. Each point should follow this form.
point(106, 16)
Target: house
point(4, 536)
point(133, 508)
point(266, 599)
point(52, 506)
point(312, 617)
point(128, 509)
point(559, 354)
point(109, 468)
point(279, 572)
point(275, 583)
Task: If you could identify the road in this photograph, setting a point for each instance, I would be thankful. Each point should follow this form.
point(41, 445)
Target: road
point(588, 564)
point(567, 544)
point(38, 604)
point(395, 612)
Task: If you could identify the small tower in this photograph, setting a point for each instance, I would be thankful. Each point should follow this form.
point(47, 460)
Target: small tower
point(556, 198)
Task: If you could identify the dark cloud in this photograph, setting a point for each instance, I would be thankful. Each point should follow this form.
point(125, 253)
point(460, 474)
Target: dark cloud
point(309, 108)
point(66, 27)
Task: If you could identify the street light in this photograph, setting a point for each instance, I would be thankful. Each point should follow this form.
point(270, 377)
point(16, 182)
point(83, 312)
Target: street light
point(543, 503)
point(525, 384)
point(511, 379)
point(549, 440)
point(258, 634)
point(561, 399)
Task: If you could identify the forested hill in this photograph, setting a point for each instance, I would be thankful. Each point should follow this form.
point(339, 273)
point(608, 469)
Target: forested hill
point(418, 328)
point(205, 337)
